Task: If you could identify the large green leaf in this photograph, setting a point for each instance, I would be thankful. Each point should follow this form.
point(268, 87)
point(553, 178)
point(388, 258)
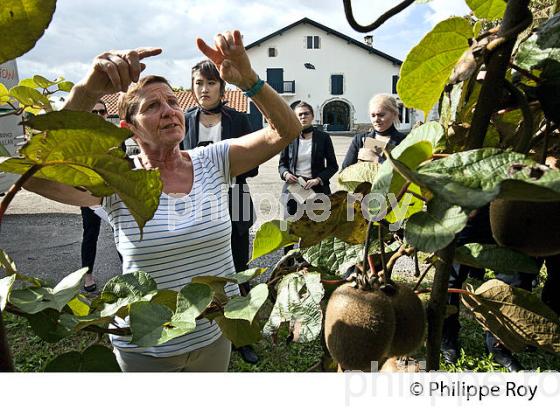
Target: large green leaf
point(4, 94)
point(270, 237)
point(6, 285)
point(216, 283)
point(429, 64)
point(298, 303)
point(81, 149)
point(503, 260)
point(436, 228)
point(349, 178)
point(51, 326)
point(30, 98)
point(517, 317)
point(192, 300)
point(471, 179)
point(541, 51)
point(239, 331)
point(151, 324)
point(34, 299)
point(22, 23)
point(246, 307)
point(487, 9)
point(122, 290)
point(95, 358)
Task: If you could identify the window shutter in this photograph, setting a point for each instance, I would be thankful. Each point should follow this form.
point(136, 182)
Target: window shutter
point(395, 80)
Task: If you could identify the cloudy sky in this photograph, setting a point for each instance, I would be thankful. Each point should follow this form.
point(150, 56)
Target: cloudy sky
point(81, 29)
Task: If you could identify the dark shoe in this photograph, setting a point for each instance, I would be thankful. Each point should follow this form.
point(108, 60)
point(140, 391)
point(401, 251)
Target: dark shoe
point(501, 355)
point(248, 354)
point(91, 288)
point(450, 351)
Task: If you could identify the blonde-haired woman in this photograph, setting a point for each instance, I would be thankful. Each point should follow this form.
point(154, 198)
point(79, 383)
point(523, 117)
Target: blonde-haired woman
point(384, 116)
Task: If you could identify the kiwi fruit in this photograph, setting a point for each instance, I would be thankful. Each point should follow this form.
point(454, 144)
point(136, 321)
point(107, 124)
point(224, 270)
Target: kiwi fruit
point(410, 320)
point(529, 227)
point(359, 327)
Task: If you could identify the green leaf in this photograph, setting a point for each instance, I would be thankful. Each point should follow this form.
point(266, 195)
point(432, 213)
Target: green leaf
point(166, 297)
point(192, 300)
point(65, 86)
point(42, 82)
point(429, 64)
point(246, 307)
point(436, 228)
point(79, 305)
point(33, 300)
point(50, 325)
point(246, 275)
point(517, 317)
point(349, 178)
point(30, 97)
point(81, 149)
point(298, 303)
point(503, 260)
point(22, 23)
point(151, 324)
point(216, 283)
point(95, 358)
point(333, 256)
point(240, 332)
point(270, 237)
point(471, 179)
point(487, 9)
point(4, 94)
point(28, 82)
point(123, 290)
point(541, 51)
point(6, 285)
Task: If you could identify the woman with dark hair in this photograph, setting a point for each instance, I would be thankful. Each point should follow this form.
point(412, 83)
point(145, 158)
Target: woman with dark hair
point(310, 157)
point(212, 121)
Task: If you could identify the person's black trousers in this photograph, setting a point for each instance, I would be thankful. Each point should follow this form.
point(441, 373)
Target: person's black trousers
point(91, 224)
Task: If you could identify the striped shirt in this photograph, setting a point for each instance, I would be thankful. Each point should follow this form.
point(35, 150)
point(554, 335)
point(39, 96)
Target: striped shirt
point(187, 237)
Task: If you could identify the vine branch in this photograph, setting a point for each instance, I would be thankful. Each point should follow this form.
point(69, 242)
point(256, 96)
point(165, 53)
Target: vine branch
point(380, 20)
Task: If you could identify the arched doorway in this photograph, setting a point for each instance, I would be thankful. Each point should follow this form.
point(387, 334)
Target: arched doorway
point(337, 115)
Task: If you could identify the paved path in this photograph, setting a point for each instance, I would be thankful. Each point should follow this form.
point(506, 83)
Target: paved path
point(44, 237)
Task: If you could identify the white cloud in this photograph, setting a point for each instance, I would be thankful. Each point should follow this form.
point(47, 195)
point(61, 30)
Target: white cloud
point(82, 29)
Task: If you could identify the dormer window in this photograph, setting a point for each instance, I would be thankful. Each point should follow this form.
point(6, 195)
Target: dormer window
point(312, 42)
point(272, 52)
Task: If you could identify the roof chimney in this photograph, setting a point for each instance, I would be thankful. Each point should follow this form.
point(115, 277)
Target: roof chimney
point(368, 40)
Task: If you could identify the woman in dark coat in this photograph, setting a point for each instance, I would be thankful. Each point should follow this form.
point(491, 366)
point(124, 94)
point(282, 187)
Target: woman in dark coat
point(311, 156)
point(384, 115)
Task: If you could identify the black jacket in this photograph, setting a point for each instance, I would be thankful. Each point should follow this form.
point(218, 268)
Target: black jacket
point(323, 159)
point(351, 158)
point(234, 124)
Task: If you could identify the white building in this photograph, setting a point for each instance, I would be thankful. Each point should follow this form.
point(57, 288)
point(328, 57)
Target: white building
point(336, 74)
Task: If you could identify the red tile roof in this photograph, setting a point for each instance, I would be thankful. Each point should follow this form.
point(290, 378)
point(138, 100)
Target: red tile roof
point(235, 98)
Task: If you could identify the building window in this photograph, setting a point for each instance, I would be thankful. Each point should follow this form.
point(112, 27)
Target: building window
point(337, 84)
point(272, 52)
point(395, 81)
point(312, 42)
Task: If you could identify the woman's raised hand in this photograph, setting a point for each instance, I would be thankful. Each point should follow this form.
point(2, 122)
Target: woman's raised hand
point(113, 71)
point(228, 54)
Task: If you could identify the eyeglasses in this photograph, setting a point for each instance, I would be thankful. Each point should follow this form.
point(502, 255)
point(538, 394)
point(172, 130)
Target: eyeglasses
point(99, 112)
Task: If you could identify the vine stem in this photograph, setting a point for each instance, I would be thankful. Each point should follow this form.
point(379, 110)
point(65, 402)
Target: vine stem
point(517, 11)
point(545, 142)
point(14, 189)
point(386, 273)
point(380, 20)
point(422, 276)
point(366, 248)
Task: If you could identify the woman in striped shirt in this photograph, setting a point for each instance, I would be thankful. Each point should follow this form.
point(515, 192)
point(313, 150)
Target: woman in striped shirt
point(190, 232)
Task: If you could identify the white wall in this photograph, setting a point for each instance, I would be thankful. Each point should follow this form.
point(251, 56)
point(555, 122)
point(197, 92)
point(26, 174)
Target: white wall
point(365, 74)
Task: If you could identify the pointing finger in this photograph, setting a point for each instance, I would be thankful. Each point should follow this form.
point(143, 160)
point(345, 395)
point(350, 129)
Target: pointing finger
point(144, 52)
point(208, 51)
